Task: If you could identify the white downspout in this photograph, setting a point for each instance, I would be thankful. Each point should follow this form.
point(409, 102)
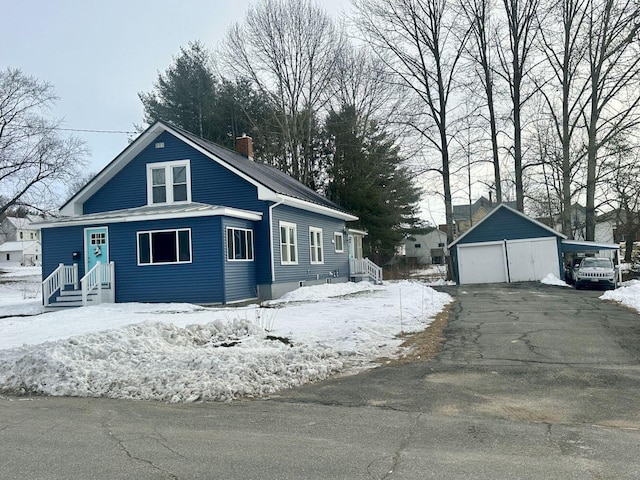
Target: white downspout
point(273, 260)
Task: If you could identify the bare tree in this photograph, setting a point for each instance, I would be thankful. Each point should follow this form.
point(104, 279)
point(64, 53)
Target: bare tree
point(564, 50)
point(614, 84)
point(289, 50)
point(34, 157)
point(362, 81)
point(515, 68)
point(478, 14)
point(416, 41)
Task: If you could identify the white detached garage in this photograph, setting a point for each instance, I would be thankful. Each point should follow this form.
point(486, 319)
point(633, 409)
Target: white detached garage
point(507, 246)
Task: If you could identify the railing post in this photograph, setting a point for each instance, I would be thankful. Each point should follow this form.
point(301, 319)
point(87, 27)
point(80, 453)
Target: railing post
point(76, 277)
point(112, 273)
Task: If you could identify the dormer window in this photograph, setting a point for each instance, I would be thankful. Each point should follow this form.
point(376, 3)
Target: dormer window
point(168, 182)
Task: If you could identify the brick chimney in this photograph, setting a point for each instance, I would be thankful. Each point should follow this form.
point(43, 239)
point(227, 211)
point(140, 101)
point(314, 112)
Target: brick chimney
point(244, 146)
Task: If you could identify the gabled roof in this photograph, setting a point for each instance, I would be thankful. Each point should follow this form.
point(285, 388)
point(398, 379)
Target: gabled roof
point(513, 210)
point(17, 246)
point(463, 212)
point(273, 185)
point(21, 222)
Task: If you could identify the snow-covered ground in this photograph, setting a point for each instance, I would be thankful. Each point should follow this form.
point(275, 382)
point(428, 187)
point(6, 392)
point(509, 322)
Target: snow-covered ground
point(628, 294)
point(184, 352)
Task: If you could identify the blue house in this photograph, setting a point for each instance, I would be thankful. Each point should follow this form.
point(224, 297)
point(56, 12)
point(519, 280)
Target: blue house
point(176, 218)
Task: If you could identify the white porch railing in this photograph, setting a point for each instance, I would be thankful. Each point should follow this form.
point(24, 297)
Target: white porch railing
point(100, 277)
point(61, 277)
point(364, 266)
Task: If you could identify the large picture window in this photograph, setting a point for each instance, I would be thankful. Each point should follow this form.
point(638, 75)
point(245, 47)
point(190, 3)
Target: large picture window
point(239, 244)
point(168, 182)
point(288, 244)
point(164, 246)
point(315, 245)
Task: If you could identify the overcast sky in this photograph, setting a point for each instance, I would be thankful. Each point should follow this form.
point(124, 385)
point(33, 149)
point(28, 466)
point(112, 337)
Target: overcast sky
point(99, 55)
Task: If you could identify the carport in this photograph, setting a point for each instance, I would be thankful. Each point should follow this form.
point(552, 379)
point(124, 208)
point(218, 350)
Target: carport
point(507, 246)
point(610, 250)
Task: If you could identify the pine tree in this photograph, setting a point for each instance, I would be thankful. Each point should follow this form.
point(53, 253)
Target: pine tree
point(367, 178)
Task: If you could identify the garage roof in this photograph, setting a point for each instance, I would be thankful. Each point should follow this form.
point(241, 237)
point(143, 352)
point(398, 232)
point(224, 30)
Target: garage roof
point(499, 212)
point(584, 246)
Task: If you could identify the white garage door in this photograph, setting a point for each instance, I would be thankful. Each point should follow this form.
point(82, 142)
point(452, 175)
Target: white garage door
point(482, 263)
point(532, 259)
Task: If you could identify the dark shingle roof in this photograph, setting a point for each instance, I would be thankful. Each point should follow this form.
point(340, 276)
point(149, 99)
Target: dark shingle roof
point(270, 177)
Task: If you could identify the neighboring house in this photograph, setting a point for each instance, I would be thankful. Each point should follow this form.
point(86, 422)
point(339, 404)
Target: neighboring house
point(25, 253)
point(508, 246)
point(428, 249)
point(13, 229)
point(175, 218)
point(467, 215)
point(612, 227)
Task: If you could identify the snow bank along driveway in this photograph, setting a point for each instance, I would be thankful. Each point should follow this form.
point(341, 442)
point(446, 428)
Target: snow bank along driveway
point(184, 353)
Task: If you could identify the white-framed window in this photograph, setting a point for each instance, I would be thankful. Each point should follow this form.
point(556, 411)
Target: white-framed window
point(169, 182)
point(315, 245)
point(338, 242)
point(164, 247)
point(288, 243)
point(239, 244)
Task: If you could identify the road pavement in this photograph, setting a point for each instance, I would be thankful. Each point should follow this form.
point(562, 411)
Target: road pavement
point(532, 381)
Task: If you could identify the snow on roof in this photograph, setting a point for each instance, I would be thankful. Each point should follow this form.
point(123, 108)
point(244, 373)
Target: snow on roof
point(17, 246)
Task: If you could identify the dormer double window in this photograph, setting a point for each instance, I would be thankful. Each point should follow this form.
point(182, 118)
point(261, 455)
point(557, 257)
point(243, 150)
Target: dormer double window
point(169, 182)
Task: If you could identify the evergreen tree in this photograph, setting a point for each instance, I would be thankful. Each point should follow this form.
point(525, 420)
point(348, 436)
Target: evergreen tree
point(189, 95)
point(367, 178)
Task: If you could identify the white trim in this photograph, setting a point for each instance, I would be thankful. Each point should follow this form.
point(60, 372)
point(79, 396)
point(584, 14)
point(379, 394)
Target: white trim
point(151, 232)
point(335, 244)
point(169, 182)
point(226, 245)
point(288, 226)
point(271, 242)
point(313, 233)
point(313, 207)
point(118, 217)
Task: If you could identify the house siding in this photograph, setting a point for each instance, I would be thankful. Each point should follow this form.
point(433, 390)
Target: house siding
point(211, 183)
point(336, 265)
point(58, 245)
point(240, 276)
point(200, 281)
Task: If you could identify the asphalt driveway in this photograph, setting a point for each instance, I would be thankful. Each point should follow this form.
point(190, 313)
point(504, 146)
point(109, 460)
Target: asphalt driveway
point(532, 382)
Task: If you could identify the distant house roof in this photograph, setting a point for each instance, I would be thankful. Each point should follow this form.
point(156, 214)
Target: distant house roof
point(23, 222)
point(464, 212)
point(17, 246)
point(276, 185)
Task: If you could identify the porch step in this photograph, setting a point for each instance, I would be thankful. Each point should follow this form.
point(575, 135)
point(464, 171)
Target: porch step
point(70, 299)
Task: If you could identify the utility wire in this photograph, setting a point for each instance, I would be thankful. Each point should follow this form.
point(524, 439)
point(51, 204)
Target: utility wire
point(92, 131)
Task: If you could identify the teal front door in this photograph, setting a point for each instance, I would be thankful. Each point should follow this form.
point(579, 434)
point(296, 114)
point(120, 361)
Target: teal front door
point(96, 241)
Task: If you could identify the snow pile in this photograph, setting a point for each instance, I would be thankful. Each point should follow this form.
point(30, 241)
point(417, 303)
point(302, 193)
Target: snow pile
point(221, 360)
point(551, 279)
point(183, 352)
point(628, 294)
point(320, 292)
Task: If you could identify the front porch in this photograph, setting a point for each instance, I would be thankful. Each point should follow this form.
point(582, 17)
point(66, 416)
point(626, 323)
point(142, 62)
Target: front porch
point(364, 269)
point(63, 289)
